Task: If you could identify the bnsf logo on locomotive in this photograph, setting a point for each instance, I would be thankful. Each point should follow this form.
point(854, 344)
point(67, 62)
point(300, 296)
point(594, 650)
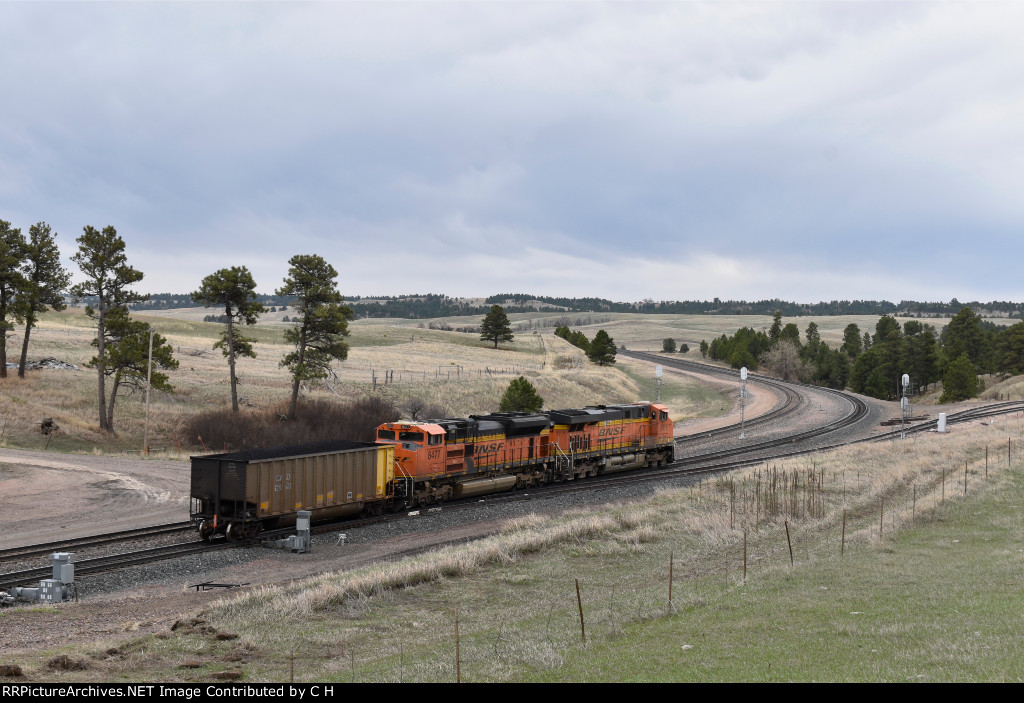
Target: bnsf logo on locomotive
point(609, 431)
point(489, 448)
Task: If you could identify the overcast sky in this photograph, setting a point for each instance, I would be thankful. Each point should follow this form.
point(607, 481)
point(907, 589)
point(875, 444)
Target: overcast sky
point(669, 151)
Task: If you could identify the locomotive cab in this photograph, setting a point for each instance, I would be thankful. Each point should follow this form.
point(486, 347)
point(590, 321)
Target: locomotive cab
point(419, 448)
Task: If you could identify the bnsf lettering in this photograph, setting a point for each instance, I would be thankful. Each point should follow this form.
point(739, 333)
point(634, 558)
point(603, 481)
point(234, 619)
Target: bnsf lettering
point(610, 431)
point(489, 448)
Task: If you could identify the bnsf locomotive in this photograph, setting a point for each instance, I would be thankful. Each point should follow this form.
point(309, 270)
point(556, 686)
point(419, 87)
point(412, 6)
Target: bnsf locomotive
point(422, 463)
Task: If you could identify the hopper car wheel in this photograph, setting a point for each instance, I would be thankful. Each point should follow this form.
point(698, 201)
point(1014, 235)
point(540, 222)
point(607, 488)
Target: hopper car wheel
point(233, 532)
point(205, 530)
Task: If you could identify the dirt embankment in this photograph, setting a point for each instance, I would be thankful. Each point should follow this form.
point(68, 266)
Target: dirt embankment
point(48, 497)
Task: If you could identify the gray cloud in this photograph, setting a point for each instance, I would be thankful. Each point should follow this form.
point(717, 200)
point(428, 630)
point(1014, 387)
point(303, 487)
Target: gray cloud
point(661, 150)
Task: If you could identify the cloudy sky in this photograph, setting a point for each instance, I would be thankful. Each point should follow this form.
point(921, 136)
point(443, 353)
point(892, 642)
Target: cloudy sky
point(669, 151)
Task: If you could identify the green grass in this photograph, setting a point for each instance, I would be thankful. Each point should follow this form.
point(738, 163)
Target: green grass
point(939, 602)
point(700, 400)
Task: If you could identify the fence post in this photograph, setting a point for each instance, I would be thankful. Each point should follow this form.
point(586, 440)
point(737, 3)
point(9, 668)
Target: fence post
point(790, 543)
point(881, 513)
point(579, 602)
point(669, 578)
point(842, 543)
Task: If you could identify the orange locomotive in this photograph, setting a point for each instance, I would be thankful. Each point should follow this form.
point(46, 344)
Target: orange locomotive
point(438, 460)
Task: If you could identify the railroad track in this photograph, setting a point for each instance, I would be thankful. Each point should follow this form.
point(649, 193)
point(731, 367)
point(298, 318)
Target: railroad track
point(706, 463)
point(113, 561)
point(793, 399)
point(68, 545)
point(978, 413)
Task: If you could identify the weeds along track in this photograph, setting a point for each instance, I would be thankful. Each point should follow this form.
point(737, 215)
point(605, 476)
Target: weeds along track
point(19, 553)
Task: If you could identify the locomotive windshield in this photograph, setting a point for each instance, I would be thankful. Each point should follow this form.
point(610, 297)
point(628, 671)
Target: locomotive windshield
point(385, 434)
point(411, 437)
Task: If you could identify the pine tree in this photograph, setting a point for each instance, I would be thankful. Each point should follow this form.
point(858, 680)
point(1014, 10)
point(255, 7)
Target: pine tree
point(102, 259)
point(127, 357)
point(960, 381)
point(12, 282)
point(602, 349)
point(44, 282)
point(521, 396)
point(668, 345)
point(320, 322)
point(964, 335)
point(852, 344)
point(776, 329)
point(496, 326)
point(235, 290)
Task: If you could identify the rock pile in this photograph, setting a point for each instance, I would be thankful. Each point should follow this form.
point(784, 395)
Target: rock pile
point(47, 363)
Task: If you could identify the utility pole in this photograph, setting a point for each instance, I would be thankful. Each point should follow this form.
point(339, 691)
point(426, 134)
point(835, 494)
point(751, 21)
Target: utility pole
point(149, 382)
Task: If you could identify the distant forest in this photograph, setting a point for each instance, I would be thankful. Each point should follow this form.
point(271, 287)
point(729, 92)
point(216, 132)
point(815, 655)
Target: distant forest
point(437, 305)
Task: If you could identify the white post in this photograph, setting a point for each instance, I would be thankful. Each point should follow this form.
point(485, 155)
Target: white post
point(903, 406)
point(743, 401)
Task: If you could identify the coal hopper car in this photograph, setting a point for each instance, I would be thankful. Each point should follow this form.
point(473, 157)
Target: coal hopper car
point(238, 494)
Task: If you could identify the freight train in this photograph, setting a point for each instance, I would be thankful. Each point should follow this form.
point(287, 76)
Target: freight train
point(413, 464)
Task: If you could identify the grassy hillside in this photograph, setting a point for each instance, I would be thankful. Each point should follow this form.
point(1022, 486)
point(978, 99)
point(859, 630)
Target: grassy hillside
point(398, 360)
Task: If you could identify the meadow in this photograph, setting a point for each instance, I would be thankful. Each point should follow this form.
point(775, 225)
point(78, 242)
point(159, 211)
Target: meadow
point(403, 361)
point(892, 561)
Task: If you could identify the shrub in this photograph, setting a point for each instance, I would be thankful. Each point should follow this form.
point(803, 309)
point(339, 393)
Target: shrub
point(521, 396)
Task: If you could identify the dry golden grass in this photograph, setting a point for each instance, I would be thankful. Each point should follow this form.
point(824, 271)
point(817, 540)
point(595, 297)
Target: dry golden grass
point(453, 370)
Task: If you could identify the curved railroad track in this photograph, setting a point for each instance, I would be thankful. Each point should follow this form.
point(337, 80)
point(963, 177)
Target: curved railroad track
point(793, 398)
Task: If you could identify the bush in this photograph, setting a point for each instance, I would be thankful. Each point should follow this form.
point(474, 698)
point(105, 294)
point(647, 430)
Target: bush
point(521, 396)
point(418, 409)
point(316, 421)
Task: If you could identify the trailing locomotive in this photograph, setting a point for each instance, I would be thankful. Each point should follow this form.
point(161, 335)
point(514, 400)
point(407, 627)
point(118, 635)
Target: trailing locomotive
point(422, 463)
